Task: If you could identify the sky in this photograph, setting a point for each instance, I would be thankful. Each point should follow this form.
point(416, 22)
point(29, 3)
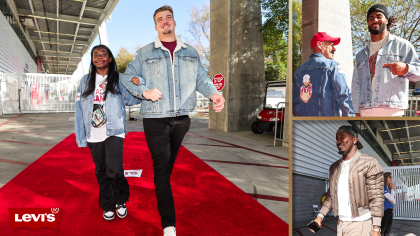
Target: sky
point(132, 22)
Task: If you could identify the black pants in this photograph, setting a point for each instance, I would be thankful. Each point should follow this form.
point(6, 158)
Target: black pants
point(113, 186)
point(386, 223)
point(164, 137)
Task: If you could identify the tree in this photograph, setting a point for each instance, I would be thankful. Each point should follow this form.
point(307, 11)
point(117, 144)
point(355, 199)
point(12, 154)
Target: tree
point(297, 35)
point(275, 31)
point(124, 56)
point(200, 32)
point(405, 11)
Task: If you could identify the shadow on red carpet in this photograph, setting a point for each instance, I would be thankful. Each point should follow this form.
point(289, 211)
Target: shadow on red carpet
point(206, 202)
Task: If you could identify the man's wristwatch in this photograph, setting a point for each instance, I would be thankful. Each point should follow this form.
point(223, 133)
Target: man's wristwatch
point(377, 230)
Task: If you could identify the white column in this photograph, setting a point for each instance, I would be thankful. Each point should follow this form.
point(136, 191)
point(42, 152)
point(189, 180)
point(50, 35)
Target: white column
point(103, 34)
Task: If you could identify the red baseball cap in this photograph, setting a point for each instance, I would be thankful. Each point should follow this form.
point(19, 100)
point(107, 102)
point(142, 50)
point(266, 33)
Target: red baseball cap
point(321, 37)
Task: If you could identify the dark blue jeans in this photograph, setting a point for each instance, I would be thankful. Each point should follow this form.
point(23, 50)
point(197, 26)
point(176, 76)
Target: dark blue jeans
point(164, 137)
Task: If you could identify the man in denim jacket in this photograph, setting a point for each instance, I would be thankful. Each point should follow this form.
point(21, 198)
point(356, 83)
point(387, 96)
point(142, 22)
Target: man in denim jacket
point(383, 69)
point(167, 73)
point(320, 87)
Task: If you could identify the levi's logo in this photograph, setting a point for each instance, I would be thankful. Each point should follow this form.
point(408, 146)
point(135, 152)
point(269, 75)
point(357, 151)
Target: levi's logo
point(34, 218)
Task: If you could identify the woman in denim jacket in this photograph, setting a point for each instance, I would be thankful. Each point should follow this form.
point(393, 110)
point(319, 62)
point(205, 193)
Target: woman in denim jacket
point(100, 121)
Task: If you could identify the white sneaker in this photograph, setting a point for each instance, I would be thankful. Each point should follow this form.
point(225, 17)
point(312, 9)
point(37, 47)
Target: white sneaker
point(169, 231)
point(109, 215)
point(121, 210)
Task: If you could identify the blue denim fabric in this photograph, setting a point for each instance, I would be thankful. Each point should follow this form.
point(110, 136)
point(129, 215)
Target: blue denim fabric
point(178, 81)
point(390, 91)
point(114, 111)
point(330, 91)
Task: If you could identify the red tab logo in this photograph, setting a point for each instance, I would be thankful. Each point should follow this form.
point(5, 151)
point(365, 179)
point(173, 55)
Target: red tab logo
point(34, 218)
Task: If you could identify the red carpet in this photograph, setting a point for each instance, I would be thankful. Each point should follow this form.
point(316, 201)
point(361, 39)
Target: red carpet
point(206, 202)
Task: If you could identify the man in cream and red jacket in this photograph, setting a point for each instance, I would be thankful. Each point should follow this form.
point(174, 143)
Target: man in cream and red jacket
point(356, 192)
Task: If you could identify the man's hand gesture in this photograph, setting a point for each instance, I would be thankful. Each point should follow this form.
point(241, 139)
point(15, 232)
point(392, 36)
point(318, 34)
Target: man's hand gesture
point(153, 94)
point(397, 68)
point(218, 102)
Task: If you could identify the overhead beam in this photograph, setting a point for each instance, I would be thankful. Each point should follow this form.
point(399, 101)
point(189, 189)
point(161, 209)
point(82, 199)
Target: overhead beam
point(54, 54)
point(406, 156)
point(396, 140)
point(85, 29)
point(379, 140)
point(67, 41)
point(36, 22)
point(82, 10)
point(64, 18)
point(94, 9)
point(390, 136)
point(408, 137)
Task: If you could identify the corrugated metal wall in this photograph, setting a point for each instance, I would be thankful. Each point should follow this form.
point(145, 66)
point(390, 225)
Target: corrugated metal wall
point(13, 55)
point(314, 147)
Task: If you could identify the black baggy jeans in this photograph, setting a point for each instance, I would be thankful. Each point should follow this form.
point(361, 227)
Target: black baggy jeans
point(109, 171)
point(164, 137)
point(386, 223)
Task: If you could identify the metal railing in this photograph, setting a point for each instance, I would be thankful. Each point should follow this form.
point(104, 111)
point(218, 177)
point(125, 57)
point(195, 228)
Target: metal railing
point(406, 180)
point(280, 138)
point(48, 93)
point(413, 106)
point(9, 93)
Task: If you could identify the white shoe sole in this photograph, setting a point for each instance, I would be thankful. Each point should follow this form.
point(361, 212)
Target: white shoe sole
point(118, 214)
point(109, 218)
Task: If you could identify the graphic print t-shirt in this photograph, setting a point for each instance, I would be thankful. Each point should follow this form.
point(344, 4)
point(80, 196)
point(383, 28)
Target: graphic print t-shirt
point(99, 134)
point(304, 89)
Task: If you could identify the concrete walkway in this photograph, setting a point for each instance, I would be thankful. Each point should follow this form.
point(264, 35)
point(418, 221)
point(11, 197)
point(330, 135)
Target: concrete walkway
point(248, 160)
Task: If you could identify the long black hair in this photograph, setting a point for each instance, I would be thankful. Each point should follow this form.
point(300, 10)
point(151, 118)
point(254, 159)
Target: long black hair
point(113, 78)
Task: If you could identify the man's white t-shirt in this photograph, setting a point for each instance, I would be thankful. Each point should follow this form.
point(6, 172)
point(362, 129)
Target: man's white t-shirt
point(374, 47)
point(343, 195)
point(99, 134)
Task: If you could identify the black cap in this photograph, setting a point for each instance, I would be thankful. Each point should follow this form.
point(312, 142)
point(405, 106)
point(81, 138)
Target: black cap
point(379, 8)
point(351, 130)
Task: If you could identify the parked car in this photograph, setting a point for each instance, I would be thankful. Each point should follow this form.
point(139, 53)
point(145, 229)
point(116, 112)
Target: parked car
point(416, 92)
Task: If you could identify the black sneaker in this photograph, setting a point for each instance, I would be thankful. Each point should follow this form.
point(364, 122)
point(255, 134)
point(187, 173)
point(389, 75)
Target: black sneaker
point(121, 210)
point(109, 215)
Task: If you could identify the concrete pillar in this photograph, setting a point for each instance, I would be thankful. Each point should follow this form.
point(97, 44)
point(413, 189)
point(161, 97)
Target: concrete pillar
point(332, 17)
point(236, 49)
